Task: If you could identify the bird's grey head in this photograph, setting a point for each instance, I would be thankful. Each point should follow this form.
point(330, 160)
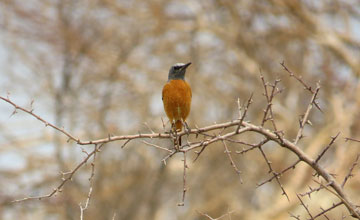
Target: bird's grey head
point(177, 71)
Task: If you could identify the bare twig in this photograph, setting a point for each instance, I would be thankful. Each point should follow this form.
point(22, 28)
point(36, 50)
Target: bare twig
point(238, 172)
point(327, 147)
point(312, 190)
point(349, 174)
point(31, 112)
point(274, 173)
point(351, 139)
point(292, 166)
point(304, 120)
point(156, 146)
point(306, 208)
point(328, 209)
point(298, 78)
point(64, 179)
point(168, 156)
point(125, 143)
point(238, 142)
point(148, 127)
point(297, 217)
point(269, 99)
point(349, 206)
point(246, 107)
point(253, 146)
point(305, 158)
point(203, 144)
point(184, 182)
point(82, 209)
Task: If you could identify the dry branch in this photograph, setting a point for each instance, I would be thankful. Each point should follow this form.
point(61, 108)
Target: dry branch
point(349, 174)
point(306, 208)
point(236, 127)
point(247, 127)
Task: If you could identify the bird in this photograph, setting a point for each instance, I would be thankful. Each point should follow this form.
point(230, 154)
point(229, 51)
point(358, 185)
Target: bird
point(176, 97)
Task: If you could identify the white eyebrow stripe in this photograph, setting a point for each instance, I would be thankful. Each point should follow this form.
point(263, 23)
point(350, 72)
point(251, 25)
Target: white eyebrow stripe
point(179, 64)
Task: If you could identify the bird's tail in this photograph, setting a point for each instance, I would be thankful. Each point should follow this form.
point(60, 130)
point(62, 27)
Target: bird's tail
point(178, 125)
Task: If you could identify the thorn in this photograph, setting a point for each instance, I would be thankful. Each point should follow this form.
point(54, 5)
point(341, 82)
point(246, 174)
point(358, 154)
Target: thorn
point(13, 113)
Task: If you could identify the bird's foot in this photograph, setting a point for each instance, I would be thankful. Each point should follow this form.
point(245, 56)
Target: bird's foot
point(187, 129)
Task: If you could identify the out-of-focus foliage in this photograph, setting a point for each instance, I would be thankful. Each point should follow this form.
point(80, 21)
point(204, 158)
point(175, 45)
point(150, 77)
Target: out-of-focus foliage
point(98, 67)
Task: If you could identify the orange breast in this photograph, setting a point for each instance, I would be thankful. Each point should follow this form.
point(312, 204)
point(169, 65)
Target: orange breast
point(176, 96)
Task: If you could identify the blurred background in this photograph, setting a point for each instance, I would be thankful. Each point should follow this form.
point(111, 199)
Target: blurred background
point(97, 67)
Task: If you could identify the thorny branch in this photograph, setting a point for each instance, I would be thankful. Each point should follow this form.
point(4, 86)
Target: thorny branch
point(351, 139)
point(305, 119)
point(349, 175)
point(305, 207)
point(269, 99)
point(274, 173)
point(232, 163)
point(353, 211)
point(65, 177)
point(82, 209)
point(312, 190)
point(328, 209)
point(292, 166)
point(253, 146)
point(326, 148)
point(184, 181)
point(246, 107)
point(297, 217)
point(236, 127)
point(31, 112)
point(299, 79)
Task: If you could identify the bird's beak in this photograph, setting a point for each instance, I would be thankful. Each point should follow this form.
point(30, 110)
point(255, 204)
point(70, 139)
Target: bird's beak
point(186, 65)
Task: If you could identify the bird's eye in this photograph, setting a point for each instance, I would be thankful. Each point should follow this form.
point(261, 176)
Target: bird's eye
point(177, 67)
